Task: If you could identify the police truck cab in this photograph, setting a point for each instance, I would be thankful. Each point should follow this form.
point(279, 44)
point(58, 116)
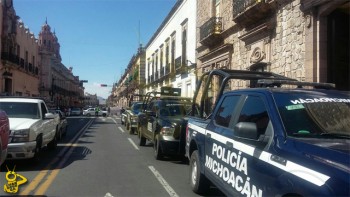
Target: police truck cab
point(269, 140)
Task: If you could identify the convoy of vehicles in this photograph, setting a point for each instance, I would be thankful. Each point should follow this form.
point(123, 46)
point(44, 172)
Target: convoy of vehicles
point(279, 137)
point(269, 140)
point(32, 127)
point(163, 122)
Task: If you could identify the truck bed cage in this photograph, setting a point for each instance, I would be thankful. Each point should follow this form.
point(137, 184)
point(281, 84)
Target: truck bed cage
point(259, 79)
point(299, 84)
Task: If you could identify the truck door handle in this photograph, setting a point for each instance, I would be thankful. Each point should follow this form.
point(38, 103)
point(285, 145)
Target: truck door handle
point(229, 144)
point(208, 135)
point(278, 159)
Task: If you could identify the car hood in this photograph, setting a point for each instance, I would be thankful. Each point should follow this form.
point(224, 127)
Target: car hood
point(21, 123)
point(174, 120)
point(333, 152)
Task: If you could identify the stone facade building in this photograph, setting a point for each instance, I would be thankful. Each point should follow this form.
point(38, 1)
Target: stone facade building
point(303, 39)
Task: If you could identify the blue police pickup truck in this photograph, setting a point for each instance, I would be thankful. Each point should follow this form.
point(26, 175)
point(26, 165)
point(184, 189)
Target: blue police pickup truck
point(268, 140)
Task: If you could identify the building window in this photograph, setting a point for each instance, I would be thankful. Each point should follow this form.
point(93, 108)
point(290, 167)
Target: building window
point(184, 44)
point(161, 63)
point(173, 47)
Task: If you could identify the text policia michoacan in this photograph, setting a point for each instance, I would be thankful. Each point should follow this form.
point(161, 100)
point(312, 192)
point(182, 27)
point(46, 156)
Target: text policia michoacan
point(238, 163)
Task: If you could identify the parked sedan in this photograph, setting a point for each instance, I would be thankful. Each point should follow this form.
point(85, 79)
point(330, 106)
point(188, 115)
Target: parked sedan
point(63, 123)
point(75, 112)
point(92, 112)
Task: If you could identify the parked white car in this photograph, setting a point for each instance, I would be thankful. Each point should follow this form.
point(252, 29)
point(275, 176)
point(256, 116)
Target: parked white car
point(91, 112)
point(32, 127)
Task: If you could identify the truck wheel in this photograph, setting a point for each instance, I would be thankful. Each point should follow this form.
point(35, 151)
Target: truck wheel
point(199, 183)
point(142, 140)
point(37, 151)
point(138, 131)
point(158, 154)
point(88, 115)
point(53, 144)
point(131, 131)
point(60, 134)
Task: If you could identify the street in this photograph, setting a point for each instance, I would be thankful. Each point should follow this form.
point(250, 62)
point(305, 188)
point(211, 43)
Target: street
point(99, 158)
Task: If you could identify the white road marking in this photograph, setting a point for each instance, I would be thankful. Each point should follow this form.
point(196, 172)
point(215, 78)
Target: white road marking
point(162, 181)
point(114, 121)
point(132, 142)
point(121, 129)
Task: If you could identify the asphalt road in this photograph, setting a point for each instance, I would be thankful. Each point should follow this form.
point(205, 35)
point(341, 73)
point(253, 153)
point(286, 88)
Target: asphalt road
point(99, 158)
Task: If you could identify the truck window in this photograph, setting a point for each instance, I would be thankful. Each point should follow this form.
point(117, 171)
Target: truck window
point(225, 110)
point(43, 110)
point(254, 110)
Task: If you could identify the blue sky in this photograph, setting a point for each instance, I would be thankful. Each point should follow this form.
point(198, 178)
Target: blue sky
point(97, 37)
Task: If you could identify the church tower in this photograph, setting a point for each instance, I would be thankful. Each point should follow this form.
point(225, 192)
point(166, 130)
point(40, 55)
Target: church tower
point(48, 41)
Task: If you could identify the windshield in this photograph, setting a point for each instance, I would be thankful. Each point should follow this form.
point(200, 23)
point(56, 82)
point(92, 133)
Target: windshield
point(315, 115)
point(173, 108)
point(136, 107)
point(20, 110)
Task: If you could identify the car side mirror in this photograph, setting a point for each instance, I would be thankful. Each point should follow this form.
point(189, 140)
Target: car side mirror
point(246, 130)
point(49, 116)
point(150, 113)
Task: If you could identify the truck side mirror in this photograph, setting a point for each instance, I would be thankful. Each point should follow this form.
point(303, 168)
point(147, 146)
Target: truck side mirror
point(246, 130)
point(150, 113)
point(49, 116)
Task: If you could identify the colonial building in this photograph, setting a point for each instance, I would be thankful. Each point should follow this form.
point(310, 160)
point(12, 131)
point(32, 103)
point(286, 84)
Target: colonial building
point(131, 85)
point(91, 100)
point(170, 53)
point(20, 61)
point(32, 67)
point(303, 39)
point(57, 84)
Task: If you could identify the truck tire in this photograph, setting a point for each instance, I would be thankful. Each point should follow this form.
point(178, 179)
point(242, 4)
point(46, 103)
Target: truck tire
point(127, 125)
point(88, 114)
point(131, 130)
point(158, 154)
point(37, 151)
point(53, 144)
point(199, 183)
point(142, 140)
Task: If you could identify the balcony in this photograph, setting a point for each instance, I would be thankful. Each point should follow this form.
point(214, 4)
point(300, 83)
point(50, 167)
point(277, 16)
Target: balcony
point(248, 12)
point(10, 57)
point(210, 31)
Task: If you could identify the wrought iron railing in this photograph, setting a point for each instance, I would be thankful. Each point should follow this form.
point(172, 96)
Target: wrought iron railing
point(239, 6)
point(212, 26)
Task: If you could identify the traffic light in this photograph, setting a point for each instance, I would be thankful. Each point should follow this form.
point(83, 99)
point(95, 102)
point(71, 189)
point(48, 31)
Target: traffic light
point(103, 85)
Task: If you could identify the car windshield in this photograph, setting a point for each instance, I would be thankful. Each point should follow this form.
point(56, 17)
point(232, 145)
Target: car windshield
point(174, 108)
point(20, 110)
point(315, 115)
point(137, 107)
